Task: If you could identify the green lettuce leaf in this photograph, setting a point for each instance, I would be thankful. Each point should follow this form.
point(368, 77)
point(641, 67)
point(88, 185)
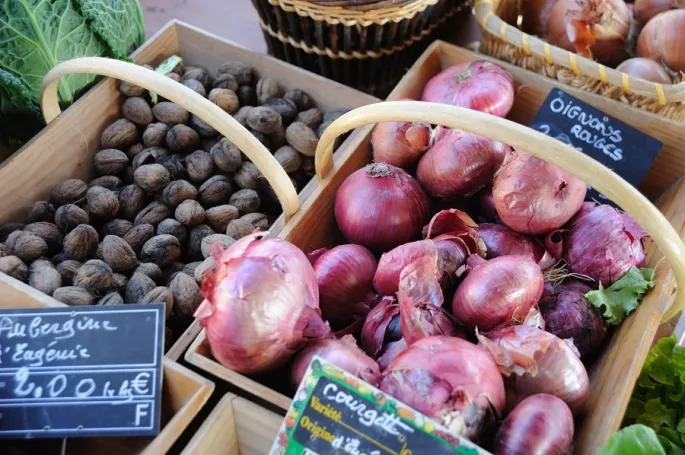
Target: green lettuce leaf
point(119, 23)
point(621, 298)
point(19, 116)
point(633, 440)
point(165, 68)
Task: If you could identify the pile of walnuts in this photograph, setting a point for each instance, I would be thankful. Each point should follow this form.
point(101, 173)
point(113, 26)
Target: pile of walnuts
point(166, 188)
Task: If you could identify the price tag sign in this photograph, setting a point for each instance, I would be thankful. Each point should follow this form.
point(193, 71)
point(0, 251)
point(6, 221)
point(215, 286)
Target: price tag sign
point(620, 147)
point(81, 371)
point(334, 412)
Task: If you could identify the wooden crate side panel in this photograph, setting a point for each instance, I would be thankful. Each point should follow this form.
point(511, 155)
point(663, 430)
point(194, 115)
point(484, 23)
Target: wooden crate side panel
point(257, 427)
point(217, 435)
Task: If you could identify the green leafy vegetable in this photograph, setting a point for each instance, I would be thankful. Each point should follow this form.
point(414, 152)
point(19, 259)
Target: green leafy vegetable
point(621, 298)
point(634, 440)
point(658, 400)
point(119, 23)
point(165, 68)
point(23, 117)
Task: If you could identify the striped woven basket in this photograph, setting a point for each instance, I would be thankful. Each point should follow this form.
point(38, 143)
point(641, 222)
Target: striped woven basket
point(506, 42)
point(366, 44)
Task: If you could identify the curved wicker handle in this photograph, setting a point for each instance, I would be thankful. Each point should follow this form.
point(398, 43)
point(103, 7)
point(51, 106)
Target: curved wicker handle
point(581, 66)
point(520, 137)
point(188, 99)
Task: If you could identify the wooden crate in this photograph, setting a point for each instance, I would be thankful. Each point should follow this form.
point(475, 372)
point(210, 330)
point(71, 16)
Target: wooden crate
point(615, 372)
point(235, 427)
point(64, 149)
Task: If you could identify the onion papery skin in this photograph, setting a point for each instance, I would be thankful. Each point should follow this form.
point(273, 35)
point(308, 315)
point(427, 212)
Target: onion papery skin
point(541, 424)
point(420, 299)
point(645, 10)
point(596, 29)
point(450, 380)
point(460, 164)
point(534, 197)
point(646, 69)
point(390, 352)
point(502, 241)
point(386, 281)
point(568, 315)
point(345, 275)
point(400, 144)
point(498, 292)
point(661, 39)
point(484, 206)
point(536, 16)
point(342, 353)
point(535, 361)
point(380, 207)
point(603, 243)
point(478, 85)
point(377, 322)
point(261, 304)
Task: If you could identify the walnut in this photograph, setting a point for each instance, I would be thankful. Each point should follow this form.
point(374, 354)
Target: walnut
point(138, 286)
point(129, 89)
point(150, 269)
point(263, 119)
point(69, 191)
point(102, 203)
point(45, 279)
point(182, 138)
point(268, 88)
point(241, 115)
point(300, 98)
point(116, 227)
point(190, 213)
point(247, 96)
point(203, 128)
point(302, 138)
point(311, 117)
point(195, 86)
point(199, 74)
point(202, 269)
point(119, 282)
point(7, 228)
point(14, 267)
point(119, 135)
point(40, 211)
point(246, 201)
point(110, 161)
point(152, 214)
point(95, 276)
point(48, 232)
point(138, 235)
point(67, 269)
point(178, 191)
point(150, 155)
point(189, 269)
point(226, 156)
point(174, 77)
point(118, 254)
point(137, 110)
point(132, 199)
point(226, 99)
point(73, 296)
point(170, 113)
point(113, 298)
point(209, 142)
point(175, 164)
point(215, 191)
point(170, 271)
point(213, 243)
point(285, 108)
point(161, 249)
point(81, 242)
point(68, 216)
point(225, 81)
point(218, 217)
point(26, 246)
point(199, 165)
point(160, 294)
point(194, 250)
point(322, 128)
point(3, 250)
point(258, 220)
point(289, 158)
point(135, 149)
point(239, 70)
point(173, 227)
point(151, 177)
point(109, 182)
point(248, 176)
point(330, 116)
point(277, 138)
point(155, 134)
point(186, 294)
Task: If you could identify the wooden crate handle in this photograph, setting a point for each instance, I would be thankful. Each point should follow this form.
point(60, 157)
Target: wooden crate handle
point(492, 24)
point(520, 137)
point(188, 99)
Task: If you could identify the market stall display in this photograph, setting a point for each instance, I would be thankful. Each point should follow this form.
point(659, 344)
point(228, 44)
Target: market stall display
point(588, 44)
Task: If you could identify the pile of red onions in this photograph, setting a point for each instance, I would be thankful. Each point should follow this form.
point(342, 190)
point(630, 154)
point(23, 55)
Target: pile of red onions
point(661, 39)
point(502, 241)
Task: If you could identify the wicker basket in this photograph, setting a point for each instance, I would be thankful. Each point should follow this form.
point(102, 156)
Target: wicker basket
point(366, 44)
point(506, 42)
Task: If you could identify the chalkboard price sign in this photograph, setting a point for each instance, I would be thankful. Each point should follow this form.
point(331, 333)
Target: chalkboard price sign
point(334, 412)
point(623, 149)
point(81, 371)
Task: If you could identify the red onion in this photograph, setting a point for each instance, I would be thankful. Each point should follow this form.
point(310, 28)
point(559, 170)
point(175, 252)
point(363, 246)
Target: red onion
point(502, 241)
point(478, 85)
point(535, 197)
point(380, 207)
point(450, 380)
point(554, 243)
point(498, 292)
point(342, 353)
point(662, 39)
point(457, 226)
point(540, 424)
point(392, 350)
point(534, 361)
point(377, 324)
point(569, 315)
point(603, 243)
point(345, 275)
point(400, 144)
point(646, 69)
point(645, 10)
point(261, 304)
point(421, 299)
point(484, 206)
point(536, 16)
point(460, 164)
point(316, 254)
point(595, 29)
